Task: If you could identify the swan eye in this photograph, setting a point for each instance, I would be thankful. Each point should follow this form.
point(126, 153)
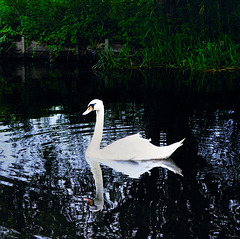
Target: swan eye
point(91, 107)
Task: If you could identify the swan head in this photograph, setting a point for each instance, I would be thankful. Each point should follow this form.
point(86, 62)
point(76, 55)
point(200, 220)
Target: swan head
point(94, 105)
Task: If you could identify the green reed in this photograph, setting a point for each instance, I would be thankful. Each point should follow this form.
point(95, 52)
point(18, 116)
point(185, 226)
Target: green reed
point(219, 55)
point(175, 51)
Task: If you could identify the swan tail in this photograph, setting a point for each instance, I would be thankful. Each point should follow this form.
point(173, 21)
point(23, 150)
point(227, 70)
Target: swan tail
point(167, 151)
point(177, 144)
point(181, 142)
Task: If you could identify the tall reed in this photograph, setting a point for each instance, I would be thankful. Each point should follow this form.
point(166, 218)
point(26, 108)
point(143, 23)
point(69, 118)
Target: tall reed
point(175, 51)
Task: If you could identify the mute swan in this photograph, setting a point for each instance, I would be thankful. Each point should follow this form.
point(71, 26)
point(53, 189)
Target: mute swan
point(131, 155)
point(131, 148)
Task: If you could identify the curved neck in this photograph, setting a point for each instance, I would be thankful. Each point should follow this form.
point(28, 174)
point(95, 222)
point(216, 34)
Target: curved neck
point(98, 131)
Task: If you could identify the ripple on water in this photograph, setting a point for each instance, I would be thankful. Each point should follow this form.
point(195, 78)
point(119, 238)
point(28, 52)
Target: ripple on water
point(49, 144)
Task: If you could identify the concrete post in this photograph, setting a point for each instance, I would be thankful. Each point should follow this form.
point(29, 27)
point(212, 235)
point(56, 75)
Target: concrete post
point(106, 47)
point(23, 48)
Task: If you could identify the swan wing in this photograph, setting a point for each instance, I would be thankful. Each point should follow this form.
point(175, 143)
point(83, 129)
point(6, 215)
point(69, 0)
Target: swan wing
point(134, 147)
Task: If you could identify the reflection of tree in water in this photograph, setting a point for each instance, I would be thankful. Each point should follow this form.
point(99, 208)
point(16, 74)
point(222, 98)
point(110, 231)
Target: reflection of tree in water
point(56, 208)
point(219, 142)
point(154, 206)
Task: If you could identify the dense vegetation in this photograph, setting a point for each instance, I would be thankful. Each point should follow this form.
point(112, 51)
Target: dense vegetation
point(196, 35)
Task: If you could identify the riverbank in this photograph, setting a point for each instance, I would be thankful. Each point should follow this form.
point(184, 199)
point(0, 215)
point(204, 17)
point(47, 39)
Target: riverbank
point(202, 56)
point(40, 51)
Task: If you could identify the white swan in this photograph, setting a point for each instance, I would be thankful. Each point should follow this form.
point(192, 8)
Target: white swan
point(131, 155)
point(133, 148)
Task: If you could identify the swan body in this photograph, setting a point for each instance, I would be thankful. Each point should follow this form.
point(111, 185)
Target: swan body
point(130, 148)
point(135, 148)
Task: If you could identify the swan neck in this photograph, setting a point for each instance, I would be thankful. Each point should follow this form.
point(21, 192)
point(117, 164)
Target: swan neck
point(98, 131)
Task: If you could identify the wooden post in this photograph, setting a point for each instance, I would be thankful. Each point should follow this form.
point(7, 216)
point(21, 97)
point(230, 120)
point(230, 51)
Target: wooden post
point(106, 47)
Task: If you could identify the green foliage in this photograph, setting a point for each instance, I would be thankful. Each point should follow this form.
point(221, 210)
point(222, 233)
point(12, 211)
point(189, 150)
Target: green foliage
point(199, 34)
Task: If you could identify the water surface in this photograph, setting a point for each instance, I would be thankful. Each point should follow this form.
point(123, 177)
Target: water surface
point(44, 176)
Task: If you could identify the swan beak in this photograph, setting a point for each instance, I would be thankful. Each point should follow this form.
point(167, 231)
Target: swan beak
point(89, 109)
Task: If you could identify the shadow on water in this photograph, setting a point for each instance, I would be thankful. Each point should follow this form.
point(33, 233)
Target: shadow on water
point(44, 177)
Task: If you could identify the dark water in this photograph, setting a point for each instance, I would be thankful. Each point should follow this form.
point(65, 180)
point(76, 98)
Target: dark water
point(44, 177)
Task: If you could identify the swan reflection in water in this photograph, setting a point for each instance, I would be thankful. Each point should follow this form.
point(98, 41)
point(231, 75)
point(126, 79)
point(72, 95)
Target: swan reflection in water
point(131, 155)
point(133, 169)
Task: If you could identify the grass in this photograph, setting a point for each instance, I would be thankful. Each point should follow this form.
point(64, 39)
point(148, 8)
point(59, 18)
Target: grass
point(175, 51)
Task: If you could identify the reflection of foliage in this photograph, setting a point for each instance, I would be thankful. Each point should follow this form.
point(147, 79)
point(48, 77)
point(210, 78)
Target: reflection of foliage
point(30, 86)
point(150, 206)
